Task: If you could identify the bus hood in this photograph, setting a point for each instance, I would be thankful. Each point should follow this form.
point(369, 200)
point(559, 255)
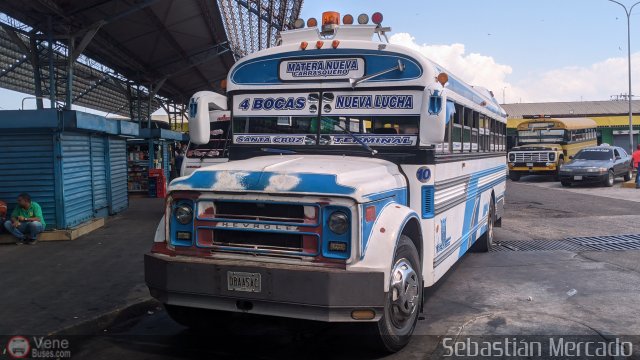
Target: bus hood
point(363, 179)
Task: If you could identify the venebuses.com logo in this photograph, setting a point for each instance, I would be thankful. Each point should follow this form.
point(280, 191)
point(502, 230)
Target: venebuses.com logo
point(37, 347)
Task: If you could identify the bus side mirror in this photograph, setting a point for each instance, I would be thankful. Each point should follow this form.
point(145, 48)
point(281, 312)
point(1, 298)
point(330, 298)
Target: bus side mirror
point(199, 120)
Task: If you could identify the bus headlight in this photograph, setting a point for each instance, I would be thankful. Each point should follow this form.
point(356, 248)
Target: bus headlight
point(184, 214)
point(338, 222)
point(552, 156)
point(512, 157)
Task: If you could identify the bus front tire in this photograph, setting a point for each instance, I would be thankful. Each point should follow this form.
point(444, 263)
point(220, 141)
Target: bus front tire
point(485, 242)
point(514, 176)
point(558, 166)
point(402, 302)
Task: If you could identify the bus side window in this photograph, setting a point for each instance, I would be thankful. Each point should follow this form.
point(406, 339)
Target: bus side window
point(493, 137)
point(504, 137)
point(456, 130)
point(475, 145)
point(446, 144)
point(468, 126)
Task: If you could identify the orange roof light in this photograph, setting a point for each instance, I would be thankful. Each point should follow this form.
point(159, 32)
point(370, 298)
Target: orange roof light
point(347, 19)
point(319, 44)
point(303, 45)
point(330, 19)
point(335, 43)
point(443, 78)
point(312, 22)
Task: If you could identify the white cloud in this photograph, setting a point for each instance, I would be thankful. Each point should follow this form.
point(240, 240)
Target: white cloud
point(473, 68)
point(595, 82)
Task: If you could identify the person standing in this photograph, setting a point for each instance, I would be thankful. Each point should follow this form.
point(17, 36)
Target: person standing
point(179, 158)
point(636, 161)
point(26, 220)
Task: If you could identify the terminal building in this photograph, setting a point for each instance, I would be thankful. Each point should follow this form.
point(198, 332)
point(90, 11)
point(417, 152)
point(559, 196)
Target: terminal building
point(96, 71)
point(612, 118)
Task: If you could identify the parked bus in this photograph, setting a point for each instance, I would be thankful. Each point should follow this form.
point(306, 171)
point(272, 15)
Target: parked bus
point(545, 143)
point(215, 151)
point(360, 172)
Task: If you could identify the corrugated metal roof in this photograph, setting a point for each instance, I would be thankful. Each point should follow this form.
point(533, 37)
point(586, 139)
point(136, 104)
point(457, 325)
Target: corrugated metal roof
point(602, 121)
point(571, 109)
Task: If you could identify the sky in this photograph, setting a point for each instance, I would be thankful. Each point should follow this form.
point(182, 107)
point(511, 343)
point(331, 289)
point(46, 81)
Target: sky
point(526, 50)
point(534, 50)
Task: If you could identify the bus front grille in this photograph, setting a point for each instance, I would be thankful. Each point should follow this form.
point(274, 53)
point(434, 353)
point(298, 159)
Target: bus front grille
point(532, 156)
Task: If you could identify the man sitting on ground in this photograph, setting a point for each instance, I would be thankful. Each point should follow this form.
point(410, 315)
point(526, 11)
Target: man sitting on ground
point(26, 220)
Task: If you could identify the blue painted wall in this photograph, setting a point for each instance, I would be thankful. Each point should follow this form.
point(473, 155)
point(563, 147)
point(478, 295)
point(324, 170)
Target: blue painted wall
point(71, 163)
point(27, 165)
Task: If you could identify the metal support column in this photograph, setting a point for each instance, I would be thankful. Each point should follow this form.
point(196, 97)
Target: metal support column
point(37, 79)
point(69, 85)
point(151, 156)
point(52, 69)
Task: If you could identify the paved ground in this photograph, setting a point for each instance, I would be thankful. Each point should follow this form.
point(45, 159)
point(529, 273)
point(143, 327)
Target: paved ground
point(53, 285)
point(502, 293)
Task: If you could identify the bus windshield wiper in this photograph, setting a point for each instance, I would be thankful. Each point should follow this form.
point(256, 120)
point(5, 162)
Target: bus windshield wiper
point(355, 82)
point(344, 130)
point(279, 151)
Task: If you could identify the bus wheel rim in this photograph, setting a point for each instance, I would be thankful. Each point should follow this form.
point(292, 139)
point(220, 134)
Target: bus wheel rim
point(404, 292)
point(490, 225)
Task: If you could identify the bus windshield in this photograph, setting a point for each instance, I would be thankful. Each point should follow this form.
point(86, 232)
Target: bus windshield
point(544, 136)
point(373, 130)
point(217, 142)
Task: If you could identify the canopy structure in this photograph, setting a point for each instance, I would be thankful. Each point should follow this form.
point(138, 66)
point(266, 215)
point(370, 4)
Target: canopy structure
point(131, 57)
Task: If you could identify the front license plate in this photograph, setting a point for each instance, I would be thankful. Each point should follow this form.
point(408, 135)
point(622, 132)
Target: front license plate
point(577, 178)
point(530, 164)
point(244, 281)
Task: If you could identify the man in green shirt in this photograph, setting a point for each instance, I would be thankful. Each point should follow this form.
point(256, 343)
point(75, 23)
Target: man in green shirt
point(26, 220)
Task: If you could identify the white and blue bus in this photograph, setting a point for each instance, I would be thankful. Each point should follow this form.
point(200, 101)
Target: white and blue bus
point(359, 173)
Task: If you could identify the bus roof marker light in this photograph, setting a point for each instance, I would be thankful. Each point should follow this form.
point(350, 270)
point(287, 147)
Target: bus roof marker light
point(312, 22)
point(319, 44)
point(363, 19)
point(335, 43)
point(303, 45)
point(330, 20)
point(377, 18)
point(298, 24)
point(347, 19)
point(443, 78)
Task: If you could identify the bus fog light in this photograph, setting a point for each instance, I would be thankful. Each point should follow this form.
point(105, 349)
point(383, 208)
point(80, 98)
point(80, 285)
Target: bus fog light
point(363, 314)
point(337, 246)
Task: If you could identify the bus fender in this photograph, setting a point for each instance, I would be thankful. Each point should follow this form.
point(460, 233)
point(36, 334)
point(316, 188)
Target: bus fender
point(377, 254)
point(160, 236)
